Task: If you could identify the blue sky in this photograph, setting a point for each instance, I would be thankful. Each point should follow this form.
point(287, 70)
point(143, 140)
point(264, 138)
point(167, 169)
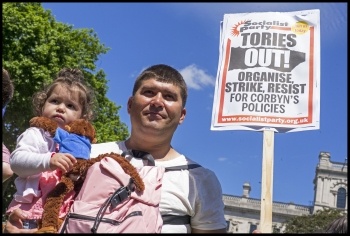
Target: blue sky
point(186, 36)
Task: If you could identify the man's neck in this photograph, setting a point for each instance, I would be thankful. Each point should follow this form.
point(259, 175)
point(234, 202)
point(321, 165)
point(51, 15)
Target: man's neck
point(160, 151)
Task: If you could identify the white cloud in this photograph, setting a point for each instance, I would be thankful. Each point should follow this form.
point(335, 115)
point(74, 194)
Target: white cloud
point(197, 78)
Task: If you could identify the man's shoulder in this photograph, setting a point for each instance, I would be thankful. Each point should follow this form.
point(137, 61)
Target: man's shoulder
point(183, 162)
point(107, 147)
point(112, 143)
point(203, 171)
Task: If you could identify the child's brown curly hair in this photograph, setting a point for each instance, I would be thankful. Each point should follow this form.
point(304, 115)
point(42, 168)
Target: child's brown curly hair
point(72, 80)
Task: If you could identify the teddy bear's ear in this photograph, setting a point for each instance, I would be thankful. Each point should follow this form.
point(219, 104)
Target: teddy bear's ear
point(34, 121)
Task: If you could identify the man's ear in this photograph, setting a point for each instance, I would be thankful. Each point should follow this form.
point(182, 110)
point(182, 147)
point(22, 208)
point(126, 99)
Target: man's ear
point(130, 103)
point(183, 115)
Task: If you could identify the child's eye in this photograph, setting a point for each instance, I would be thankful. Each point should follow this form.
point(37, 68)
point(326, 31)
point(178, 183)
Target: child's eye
point(54, 101)
point(71, 106)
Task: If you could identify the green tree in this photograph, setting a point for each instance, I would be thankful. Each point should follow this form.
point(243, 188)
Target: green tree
point(315, 223)
point(34, 48)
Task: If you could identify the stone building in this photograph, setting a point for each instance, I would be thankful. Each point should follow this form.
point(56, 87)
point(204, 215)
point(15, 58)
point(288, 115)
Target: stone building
point(330, 190)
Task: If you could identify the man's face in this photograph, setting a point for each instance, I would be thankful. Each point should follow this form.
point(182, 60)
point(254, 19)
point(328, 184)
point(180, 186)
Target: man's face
point(156, 106)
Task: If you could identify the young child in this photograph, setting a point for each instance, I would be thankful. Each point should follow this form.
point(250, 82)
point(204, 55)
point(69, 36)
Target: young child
point(35, 160)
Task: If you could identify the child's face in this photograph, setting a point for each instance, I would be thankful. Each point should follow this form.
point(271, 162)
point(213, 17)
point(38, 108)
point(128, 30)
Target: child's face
point(62, 106)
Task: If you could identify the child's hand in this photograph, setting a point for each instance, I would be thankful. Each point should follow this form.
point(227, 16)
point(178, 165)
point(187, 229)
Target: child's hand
point(14, 223)
point(62, 161)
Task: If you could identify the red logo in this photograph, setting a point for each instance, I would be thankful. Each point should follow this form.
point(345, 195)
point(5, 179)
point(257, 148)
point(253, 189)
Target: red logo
point(235, 31)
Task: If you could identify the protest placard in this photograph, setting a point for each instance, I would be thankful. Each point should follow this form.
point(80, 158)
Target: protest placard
point(268, 72)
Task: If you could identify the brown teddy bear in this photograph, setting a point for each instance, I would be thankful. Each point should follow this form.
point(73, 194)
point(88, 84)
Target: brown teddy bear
point(74, 179)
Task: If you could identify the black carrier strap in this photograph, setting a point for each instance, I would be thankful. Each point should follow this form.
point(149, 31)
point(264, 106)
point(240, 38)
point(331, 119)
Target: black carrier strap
point(176, 220)
point(119, 196)
point(124, 193)
point(139, 154)
point(183, 167)
point(167, 219)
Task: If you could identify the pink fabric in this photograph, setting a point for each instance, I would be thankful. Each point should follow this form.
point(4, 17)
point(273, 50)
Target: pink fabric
point(34, 208)
point(5, 154)
point(102, 179)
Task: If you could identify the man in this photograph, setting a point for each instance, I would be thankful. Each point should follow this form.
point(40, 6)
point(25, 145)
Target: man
point(156, 108)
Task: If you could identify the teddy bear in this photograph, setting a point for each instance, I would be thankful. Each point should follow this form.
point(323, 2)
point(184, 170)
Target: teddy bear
point(75, 138)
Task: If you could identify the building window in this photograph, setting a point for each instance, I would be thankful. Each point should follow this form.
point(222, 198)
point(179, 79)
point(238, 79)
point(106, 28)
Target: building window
point(252, 228)
point(341, 198)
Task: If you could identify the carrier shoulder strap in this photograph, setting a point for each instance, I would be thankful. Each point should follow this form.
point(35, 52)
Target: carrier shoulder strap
point(148, 157)
point(182, 167)
point(174, 219)
point(139, 154)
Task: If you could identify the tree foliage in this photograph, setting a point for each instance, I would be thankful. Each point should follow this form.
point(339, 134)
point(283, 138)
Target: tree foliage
point(34, 48)
point(315, 223)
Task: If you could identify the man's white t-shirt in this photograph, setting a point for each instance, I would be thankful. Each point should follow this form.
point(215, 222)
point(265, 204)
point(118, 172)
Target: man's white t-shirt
point(196, 192)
